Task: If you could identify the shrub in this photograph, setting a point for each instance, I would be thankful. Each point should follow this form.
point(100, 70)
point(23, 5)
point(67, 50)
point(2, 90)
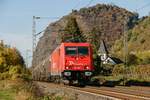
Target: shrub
point(26, 77)
point(5, 75)
point(144, 56)
point(15, 76)
point(132, 59)
point(107, 69)
point(118, 69)
point(146, 60)
point(15, 70)
point(138, 72)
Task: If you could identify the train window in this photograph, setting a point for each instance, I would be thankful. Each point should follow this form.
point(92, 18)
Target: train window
point(83, 50)
point(71, 50)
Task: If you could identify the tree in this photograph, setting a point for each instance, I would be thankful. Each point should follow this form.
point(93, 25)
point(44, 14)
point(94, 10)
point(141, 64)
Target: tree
point(93, 38)
point(72, 32)
point(9, 57)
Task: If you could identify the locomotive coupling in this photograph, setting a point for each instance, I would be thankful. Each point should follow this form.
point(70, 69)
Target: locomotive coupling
point(67, 73)
point(88, 73)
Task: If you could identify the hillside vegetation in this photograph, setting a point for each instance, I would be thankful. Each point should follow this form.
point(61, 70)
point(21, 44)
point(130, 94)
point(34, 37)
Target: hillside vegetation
point(138, 54)
point(138, 43)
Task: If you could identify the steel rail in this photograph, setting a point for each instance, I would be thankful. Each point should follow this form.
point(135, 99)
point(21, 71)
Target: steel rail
point(109, 93)
point(116, 94)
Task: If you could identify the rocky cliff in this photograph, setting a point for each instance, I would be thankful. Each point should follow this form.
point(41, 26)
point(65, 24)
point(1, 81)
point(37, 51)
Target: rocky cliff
point(104, 21)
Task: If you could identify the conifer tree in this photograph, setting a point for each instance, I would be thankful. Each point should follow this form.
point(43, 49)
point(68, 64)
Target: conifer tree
point(72, 32)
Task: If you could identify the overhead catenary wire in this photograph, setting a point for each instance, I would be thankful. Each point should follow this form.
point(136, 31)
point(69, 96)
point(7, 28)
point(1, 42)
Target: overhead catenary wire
point(89, 3)
point(34, 34)
point(75, 7)
point(44, 17)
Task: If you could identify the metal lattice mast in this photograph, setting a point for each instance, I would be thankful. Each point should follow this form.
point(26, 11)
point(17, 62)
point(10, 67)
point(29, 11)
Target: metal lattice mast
point(33, 34)
point(27, 57)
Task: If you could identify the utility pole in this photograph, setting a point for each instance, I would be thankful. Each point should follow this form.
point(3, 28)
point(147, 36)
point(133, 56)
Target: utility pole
point(27, 57)
point(125, 42)
point(125, 35)
point(34, 33)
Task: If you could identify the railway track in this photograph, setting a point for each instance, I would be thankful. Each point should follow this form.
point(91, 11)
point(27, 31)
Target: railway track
point(118, 93)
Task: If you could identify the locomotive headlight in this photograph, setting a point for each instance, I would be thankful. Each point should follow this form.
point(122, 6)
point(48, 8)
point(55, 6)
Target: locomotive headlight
point(67, 73)
point(67, 67)
point(86, 67)
point(88, 73)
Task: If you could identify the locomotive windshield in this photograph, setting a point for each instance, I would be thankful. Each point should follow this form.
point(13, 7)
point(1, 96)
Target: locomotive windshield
point(83, 50)
point(71, 51)
point(76, 50)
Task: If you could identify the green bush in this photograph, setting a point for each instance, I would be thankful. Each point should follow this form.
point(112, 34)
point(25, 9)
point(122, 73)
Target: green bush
point(132, 59)
point(107, 69)
point(140, 72)
point(26, 77)
point(12, 63)
point(5, 75)
point(136, 72)
point(146, 60)
point(118, 69)
point(15, 76)
point(144, 56)
point(15, 70)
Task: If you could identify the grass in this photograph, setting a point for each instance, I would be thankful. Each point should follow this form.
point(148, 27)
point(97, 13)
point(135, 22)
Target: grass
point(14, 90)
point(25, 90)
point(7, 94)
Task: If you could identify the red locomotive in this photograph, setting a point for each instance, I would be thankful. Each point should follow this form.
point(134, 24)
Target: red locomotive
point(72, 62)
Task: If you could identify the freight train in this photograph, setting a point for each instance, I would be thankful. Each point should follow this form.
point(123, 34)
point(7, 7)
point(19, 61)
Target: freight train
point(71, 62)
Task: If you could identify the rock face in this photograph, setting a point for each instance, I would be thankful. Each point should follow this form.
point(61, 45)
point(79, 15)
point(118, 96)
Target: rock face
point(106, 21)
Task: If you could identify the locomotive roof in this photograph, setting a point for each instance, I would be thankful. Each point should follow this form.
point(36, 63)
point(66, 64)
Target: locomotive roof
point(75, 44)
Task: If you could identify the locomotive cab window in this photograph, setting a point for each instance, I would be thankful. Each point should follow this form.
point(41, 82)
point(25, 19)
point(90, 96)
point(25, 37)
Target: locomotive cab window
point(83, 50)
point(71, 50)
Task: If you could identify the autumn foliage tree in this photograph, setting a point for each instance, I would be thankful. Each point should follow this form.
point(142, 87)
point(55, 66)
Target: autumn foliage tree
point(11, 62)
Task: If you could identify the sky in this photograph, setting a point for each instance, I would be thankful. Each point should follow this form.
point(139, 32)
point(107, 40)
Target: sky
point(16, 16)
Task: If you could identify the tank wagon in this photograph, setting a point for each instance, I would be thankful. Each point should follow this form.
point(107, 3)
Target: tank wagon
point(72, 62)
